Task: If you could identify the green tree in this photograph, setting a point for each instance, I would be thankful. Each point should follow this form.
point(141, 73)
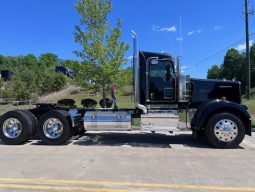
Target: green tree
point(231, 65)
point(125, 79)
point(102, 51)
point(16, 89)
point(1, 62)
point(28, 60)
point(234, 67)
point(214, 72)
point(9, 63)
point(48, 59)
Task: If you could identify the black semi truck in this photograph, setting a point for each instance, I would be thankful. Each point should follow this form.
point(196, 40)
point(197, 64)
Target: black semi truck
point(160, 92)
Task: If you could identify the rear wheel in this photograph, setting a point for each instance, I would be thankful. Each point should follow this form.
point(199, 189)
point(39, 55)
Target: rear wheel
point(225, 130)
point(15, 127)
point(54, 127)
point(33, 119)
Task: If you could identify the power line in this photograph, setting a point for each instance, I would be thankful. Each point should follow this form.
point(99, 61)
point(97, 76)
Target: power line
point(219, 52)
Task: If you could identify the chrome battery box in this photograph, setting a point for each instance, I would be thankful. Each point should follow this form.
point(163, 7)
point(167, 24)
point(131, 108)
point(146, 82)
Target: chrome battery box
point(160, 121)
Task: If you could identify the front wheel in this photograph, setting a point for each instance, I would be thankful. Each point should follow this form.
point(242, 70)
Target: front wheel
point(225, 130)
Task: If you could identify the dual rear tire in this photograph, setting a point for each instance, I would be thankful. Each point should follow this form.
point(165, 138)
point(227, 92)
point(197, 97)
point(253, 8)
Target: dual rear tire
point(53, 128)
point(16, 127)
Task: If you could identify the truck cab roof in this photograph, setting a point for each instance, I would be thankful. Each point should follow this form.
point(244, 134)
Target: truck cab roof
point(147, 55)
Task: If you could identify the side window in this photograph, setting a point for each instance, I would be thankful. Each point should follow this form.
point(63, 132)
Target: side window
point(163, 69)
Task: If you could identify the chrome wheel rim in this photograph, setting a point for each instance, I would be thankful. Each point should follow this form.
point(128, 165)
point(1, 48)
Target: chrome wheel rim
point(12, 128)
point(226, 130)
point(53, 128)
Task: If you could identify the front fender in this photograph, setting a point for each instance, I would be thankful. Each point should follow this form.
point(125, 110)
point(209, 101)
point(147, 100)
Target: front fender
point(208, 109)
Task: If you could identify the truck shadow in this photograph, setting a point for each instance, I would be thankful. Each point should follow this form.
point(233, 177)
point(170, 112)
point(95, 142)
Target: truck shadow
point(148, 140)
point(141, 140)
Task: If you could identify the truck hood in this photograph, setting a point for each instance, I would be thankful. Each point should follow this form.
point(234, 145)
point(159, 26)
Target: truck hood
point(204, 90)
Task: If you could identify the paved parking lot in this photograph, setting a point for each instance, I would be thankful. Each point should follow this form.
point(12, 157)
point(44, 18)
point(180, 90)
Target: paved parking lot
point(121, 162)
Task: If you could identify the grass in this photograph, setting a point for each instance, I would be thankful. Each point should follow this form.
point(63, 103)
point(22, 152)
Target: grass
point(4, 108)
point(250, 104)
point(62, 94)
point(136, 122)
point(8, 107)
point(251, 108)
point(124, 101)
point(253, 123)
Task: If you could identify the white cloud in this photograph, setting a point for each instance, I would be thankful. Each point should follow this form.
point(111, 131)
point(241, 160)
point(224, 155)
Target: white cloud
point(164, 29)
point(200, 31)
point(242, 47)
point(191, 33)
point(184, 67)
point(179, 38)
point(216, 28)
point(194, 32)
point(155, 27)
point(130, 57)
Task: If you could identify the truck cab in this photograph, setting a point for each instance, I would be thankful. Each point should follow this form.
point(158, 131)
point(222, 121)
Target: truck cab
point(161, 91)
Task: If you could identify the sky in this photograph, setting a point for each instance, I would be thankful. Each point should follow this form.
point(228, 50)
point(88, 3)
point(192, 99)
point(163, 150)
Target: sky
point(208, 29)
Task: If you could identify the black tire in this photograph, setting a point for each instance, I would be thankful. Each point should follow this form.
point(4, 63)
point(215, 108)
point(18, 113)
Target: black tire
point(33, 119)
point(108, 102)
point(25, 123)
point(66, 114)
point(62, 117)
point(89, 103)
point(66, 102)
point(216, 142)
point(198, 134)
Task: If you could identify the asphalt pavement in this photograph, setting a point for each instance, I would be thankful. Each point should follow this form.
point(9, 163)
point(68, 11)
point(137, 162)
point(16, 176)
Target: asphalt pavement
point(123, 162)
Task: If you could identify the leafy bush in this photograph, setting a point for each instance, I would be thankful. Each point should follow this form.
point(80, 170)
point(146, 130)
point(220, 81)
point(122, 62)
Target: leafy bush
point(29, 83)
point(59, 82)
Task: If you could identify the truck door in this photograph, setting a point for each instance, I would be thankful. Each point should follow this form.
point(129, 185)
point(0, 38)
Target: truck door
point(161, 79)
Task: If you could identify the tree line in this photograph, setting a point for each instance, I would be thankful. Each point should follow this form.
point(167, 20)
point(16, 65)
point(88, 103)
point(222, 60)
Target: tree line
point(234, 67)
point(32, 76)
point(35, 76)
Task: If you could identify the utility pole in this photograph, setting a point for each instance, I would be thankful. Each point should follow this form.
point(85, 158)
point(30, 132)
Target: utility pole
point(248, 59)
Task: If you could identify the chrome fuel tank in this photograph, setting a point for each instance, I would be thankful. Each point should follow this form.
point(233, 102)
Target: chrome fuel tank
point(107, 121)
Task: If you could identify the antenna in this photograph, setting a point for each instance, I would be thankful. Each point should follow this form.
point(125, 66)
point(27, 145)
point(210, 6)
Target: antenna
point(181, 38)
point(179, 59)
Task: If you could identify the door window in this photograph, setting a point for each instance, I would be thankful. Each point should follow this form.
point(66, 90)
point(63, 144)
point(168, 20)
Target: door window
point(161, 80)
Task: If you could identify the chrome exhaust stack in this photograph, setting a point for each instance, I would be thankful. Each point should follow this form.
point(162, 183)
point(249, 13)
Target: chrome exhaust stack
point(183, 84)
point(137, 74)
